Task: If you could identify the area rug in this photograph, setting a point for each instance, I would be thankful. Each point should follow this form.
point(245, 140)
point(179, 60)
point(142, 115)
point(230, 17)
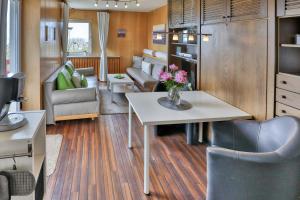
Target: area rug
point(53, 144)
point(118, 106)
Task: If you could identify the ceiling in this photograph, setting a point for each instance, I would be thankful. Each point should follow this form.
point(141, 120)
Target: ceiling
point(145, 5)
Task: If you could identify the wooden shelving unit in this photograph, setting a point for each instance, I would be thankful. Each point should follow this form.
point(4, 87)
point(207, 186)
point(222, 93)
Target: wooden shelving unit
point(288, 71)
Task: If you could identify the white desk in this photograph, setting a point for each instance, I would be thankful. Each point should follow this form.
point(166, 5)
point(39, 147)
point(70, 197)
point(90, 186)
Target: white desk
point(30, 138)
point(206, 108)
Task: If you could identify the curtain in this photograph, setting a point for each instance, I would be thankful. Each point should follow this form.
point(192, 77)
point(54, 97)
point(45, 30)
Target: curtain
point(15, 35)
point(65, 31)
point(103, 25)
point(3, 27)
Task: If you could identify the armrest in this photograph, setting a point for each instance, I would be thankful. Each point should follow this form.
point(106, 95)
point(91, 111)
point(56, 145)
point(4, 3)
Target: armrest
point(74, 95)
point(89, 71)
point(241, 135)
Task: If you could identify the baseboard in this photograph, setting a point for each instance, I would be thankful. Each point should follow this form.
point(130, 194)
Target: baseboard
point(74, 117)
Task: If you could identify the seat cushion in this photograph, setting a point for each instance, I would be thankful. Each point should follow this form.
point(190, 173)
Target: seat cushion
point(142, 78)
point(146, 67)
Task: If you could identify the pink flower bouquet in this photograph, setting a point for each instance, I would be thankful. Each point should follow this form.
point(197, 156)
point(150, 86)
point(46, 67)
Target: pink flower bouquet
point(175, 78)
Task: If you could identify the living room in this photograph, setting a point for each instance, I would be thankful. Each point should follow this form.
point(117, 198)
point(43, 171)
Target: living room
point(149, 99)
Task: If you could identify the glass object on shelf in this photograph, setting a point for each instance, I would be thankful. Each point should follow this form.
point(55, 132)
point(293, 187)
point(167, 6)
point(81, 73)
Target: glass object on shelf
point(297, 38)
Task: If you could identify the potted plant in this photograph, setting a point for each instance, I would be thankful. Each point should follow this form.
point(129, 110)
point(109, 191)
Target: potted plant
point(174, 80)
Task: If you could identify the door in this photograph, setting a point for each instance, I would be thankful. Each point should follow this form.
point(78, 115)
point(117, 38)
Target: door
point(247, 9)
point(175, 13)
point(213, 11)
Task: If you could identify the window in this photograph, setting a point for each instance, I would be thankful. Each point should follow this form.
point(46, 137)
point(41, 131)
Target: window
point(79, 39)
point(13, 37)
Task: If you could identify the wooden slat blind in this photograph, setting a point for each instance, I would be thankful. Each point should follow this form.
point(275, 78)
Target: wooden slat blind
point(176, 13)
point(245, 7)
point(190, 12)
point(213, 11)
point(84, 62)
point(292, 6)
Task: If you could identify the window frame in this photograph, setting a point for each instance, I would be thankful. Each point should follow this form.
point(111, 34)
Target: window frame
point(90, 49)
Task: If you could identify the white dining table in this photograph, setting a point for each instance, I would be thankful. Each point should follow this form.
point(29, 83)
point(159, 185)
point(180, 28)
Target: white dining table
point(205, 108)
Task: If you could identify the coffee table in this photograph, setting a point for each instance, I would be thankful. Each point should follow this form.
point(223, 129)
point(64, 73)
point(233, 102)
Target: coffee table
point(116, 85)
point(206, 108)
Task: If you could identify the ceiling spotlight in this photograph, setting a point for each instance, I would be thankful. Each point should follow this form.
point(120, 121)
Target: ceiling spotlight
point(107, 5)
point(96, 4)
point(138, 4)
point(126, 6)
point(116, 5)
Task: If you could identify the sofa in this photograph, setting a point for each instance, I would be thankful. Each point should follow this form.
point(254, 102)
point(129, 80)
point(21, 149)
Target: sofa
point(77, 103)
point(146, 82)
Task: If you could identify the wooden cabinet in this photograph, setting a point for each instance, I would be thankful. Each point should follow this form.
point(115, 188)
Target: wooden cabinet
point(288, 7)
point(182, 13)
point(216, 11)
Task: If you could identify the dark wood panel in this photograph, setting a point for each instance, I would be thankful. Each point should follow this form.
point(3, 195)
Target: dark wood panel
point(83, 62)
point(234, 64)
point(95, 163)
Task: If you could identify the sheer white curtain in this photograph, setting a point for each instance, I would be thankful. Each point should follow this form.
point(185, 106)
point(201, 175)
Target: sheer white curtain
point(65, 31)
point(3, 26)
point(15, 35)
point(103, 25)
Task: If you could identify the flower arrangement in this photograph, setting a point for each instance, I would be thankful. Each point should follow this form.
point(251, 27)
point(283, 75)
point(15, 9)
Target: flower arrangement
point(174, 81)
point(175, 78)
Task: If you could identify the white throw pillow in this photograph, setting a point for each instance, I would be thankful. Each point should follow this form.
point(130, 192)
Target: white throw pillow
point(146, 67)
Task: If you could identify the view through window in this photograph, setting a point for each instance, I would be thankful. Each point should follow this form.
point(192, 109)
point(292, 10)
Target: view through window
point(79, 38)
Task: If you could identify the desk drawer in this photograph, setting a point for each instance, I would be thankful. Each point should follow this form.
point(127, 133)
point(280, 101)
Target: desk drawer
point(288, 82)
point(282, 110)
point(288, 98)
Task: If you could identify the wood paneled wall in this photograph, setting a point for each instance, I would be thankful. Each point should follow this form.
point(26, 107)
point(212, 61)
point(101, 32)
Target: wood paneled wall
point(138, 26)
point(30, 53)
point(39, 57)
point(83, 62)
point(158, 16)
point(135, 24)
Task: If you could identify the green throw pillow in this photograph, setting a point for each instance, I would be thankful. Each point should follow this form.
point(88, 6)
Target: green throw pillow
point(70, 69)
point(84, 82)
point(63, 83)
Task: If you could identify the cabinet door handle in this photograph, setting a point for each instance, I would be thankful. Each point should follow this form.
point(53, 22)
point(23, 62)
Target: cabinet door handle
point(284, 82)
point(283, 111)
point(283, 96)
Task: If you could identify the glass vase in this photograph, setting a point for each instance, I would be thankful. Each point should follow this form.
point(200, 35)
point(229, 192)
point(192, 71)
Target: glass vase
point(174, 96)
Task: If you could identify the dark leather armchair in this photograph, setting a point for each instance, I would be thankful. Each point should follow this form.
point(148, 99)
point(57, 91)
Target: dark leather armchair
point(250, 160)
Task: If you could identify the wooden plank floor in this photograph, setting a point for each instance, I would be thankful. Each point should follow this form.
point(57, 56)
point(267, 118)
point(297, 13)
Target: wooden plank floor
point(95, 163)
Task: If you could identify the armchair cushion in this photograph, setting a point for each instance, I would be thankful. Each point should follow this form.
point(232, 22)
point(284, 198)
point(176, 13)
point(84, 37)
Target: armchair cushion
point(74, 95)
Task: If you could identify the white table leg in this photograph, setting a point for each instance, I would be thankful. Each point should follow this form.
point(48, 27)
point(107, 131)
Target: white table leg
point(146, 160)
point(201, 132)
point(130, 126)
